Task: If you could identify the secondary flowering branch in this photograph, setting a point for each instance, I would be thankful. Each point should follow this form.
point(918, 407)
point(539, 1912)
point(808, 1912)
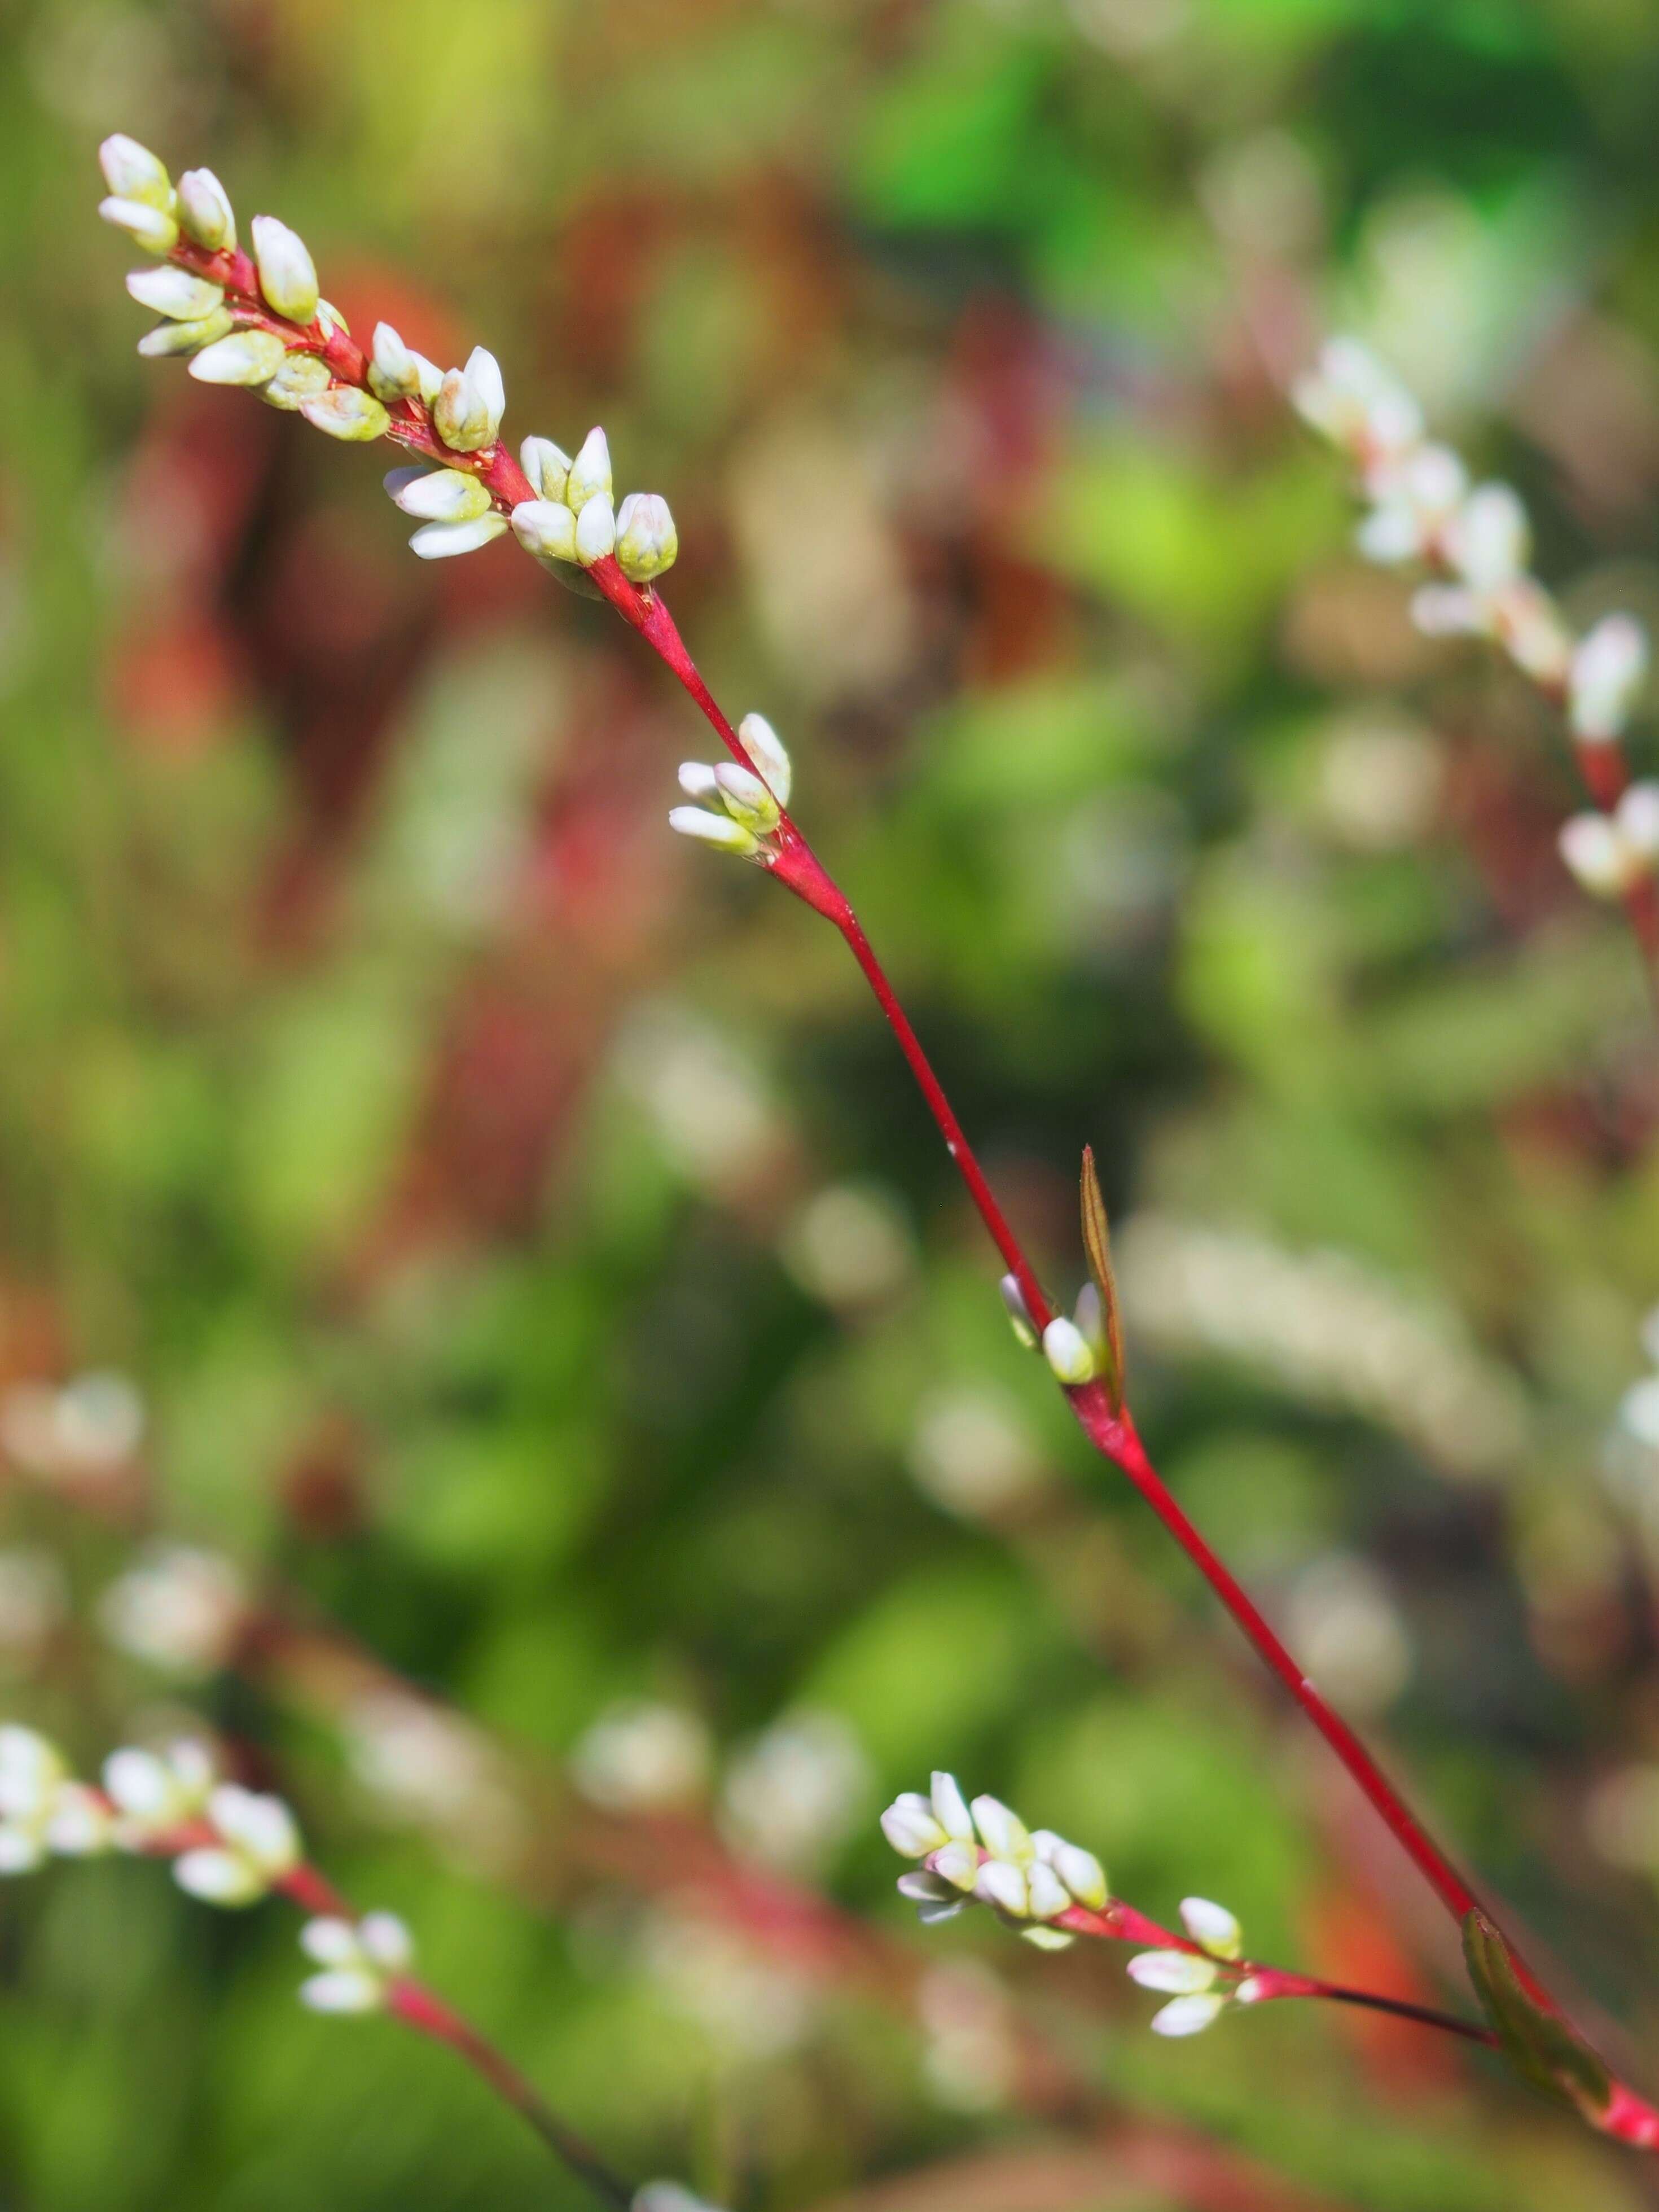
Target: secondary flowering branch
point(232, 1847)
point(285, 342)
point(1052, 1892)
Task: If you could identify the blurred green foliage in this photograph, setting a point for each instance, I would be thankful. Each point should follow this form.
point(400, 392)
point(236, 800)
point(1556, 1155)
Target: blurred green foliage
point(519, 1229)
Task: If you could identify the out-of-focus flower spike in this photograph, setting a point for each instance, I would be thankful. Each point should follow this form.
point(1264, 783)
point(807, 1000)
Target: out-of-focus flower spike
point(133, 172)
point(547, 528)
point(246, 357)
point(1067, 1350)
point(596, 529)
point(1214, 1926)
point(771, 756)
point(288, 275)
point(647, 543)
point(204, 211)
point(146, 226)
point(345, 412)
point(547, 466)
point(1610, 667)
point(590, 472)
point(438, 495)
point(710, 828)
point(168, 340)
point(440, 541)
point(175, 293)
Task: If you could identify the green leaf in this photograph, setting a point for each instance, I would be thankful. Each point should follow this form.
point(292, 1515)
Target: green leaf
point(1537, 2042)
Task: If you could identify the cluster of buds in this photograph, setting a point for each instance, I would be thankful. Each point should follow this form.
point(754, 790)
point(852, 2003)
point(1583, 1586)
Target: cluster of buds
point(43, 1808)
point(1422, 508)
point(276, 338)
point(985, 1853)
point(738, 809)
point(360, 1961)
point(1201, 1983)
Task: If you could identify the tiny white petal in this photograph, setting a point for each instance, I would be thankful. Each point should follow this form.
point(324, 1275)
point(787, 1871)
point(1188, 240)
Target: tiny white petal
point(439, 495)
point(138, 1783)
point(926, 1889)
point(951, 1807)
point(174, 293)
point(956, 1863)
point(81, 1823)
point(344, 412)
point(698, 781)
point(1002, 1832)
point(1609, 666)
point(149, 227)
point(1049, 1894)
point(1489, 539)
point(260, 1827)
point(440, 541)
point(1187, 2015)
point(1082, 1874)
point(746, 798)
point(288, 275)
point(710, 828)
point(1019, 1313)
point(1049, 1939)
point(1067, 1350)
point(1638, 817)
point(484, 372)
point(596, 529)
point(1212, 1926)
point(999, 1883)
point(1178, 1972)
point(932, 1914)
point(907, 1823)
point(20, 1849)
point(771, 756)
point(133, 172)
point(590, 472)
point(647, 543)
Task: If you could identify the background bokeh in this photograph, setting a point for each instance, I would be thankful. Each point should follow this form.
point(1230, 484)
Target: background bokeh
point(506, 1238)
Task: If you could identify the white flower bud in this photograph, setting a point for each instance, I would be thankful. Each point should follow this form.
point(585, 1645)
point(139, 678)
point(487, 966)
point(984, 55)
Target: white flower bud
point(1638, 817)
point(133, 172)
point(590, 472)
point(344, 412)
point(288, 275)
point(1082, 1874)
point(766, 749)
point(146, 226)
point(546, 528)
point(32, 1771)
point(547, 466)
point(393, 372)
point(951, 1807)
point(1067, 1351)
point(1489, 540)
point(1597, 854)
point(467, 411)
point(438, 495)
point(342, 1989)
point(1187, 2015)
point(441, 541)
point(331, 322)
point(719, 829)
point(999, 1884)
point(301, 377)
point(176, 293)
point(956, 1863)
point(1250, 1991)
point(1449, 610)
point(219, 1877)
point(386, 1940)
point(249, 357)
point(698, 781)
point(1019, 1313)
point(205, 212)
point(746, 798)
point(909, 1824)
point(1212, 1926)
point(1177, 1973)
point(647, 543)
point(1003, 1833)
point(596, 529)
point(261, 1828)
point(1610, 667)
point(81, 1823)
point(1049, 1894)
point(168, 340)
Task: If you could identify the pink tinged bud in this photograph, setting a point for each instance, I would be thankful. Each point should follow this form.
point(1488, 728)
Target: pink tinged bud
point(951, 1807)
point(1004, 1886)
point(1049, 1894)
point(590, 472)
point(1178, 1972)
point(956, 1863)
point(204, 211)
point(246, 358)
point(1083, 1875)
point(344, 412)
point(546, 528)
point(288, 275)
point(438, 495)
point(146, 226)
point(596, 529)
point(766, 749)
point(1187, 2015)
point(746, 798)
point(1067, 1351)
point(133, 172)
point(647, 543)
point(1212, 1926)
point(909, 1824)
point(176, 293)
point(1019, 1313)
point(441, 541)
point(547, 466)
point(1610, 667)
point(1003, 1833)
point(709, 829)
point(1598, 855)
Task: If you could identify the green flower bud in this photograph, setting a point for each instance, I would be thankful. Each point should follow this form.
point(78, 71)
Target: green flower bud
point(439, 495)
point(170, 339)
point(204, 211)
point(546, 528)
point(302, 376)
point(467, 411)
point(246, 358)
point(648, 543)
point(344, 412)
point(288, 275)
